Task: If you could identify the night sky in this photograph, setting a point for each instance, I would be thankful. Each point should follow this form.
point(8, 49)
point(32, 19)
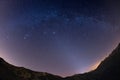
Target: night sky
point(62, 37)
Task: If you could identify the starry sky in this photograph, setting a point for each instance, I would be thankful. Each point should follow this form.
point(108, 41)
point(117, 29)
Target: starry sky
point(62, 37)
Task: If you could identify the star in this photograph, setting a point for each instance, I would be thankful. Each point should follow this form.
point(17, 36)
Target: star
point(54, 33)
point(44, 32)
point(26, 36)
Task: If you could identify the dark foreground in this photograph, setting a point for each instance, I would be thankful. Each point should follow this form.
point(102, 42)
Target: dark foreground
point(109, 69)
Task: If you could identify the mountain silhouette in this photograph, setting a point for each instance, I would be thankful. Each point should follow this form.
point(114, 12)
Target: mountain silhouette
point(10, 72)
point(109, 69)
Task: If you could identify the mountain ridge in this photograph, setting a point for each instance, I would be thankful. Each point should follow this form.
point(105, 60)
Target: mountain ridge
point(108, 69)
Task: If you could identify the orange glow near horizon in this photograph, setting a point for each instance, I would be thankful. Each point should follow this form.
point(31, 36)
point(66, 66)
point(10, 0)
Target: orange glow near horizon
point(95, 66)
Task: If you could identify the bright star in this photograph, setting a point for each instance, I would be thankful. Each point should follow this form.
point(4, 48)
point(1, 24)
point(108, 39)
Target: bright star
point(54, 33)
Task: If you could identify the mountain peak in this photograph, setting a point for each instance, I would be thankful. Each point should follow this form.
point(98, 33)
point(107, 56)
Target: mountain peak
point(118, 46)
point(2, 60)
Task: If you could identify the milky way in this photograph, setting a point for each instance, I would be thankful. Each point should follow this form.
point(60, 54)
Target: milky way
point(58, 36)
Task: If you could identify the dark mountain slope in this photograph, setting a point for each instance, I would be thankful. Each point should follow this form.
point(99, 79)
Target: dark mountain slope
point(109, 69)
point(10, 72)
